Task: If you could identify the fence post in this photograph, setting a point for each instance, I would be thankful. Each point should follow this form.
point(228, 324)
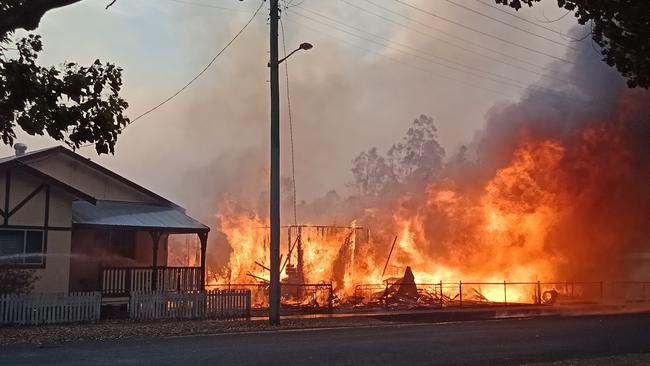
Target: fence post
point(131, 306)
point(330, 299)
point(460, 292)
point(98, 306)
point(181, 274)
point(128, 274)
point(539, 293)
point(505, 294)
point(100, 279)
point(248, 304)
point(386, 294)
point(441, 295)
point(203, 301)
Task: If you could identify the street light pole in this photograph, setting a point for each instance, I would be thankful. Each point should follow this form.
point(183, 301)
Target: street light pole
point(274, 288)
point(274, 64)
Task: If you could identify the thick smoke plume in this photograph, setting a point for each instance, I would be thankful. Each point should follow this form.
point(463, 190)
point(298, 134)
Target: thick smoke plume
point(553, 188)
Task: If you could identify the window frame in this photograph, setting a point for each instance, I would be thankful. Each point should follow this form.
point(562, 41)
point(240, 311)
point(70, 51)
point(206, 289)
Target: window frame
point(24, 264)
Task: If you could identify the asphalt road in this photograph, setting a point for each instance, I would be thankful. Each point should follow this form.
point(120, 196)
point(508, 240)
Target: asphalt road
point(495, 342)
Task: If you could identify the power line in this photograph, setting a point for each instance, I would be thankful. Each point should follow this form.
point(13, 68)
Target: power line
point(452, 35)
point(475, 86)
point(448, 42)
point(442, 40)
point(485, 3)
point(208, 6)
point(412, 55)
point(416, 55)
point(547, 21)
point(473, 70)
point(482, 32)
point(507, 24)
point(197, 75)
point(555, 75)
point(444, 76)
point(396, 60)
point(204, 69)
point(293, 160)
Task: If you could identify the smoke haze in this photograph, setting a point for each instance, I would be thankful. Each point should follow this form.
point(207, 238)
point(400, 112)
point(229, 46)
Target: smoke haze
point(350, 94)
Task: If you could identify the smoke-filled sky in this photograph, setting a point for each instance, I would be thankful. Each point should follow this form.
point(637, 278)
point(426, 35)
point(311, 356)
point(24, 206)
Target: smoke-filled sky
point(348, 93)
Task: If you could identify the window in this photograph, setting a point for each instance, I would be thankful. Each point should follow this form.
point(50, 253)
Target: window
point(122, 243)
point(21, 247)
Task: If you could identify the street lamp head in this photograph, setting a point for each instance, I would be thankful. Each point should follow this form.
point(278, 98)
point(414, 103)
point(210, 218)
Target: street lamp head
point(303, 46)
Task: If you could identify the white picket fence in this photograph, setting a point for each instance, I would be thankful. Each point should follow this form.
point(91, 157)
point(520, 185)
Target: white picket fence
point(50, 308)
point(216, 304)
point(228, 304)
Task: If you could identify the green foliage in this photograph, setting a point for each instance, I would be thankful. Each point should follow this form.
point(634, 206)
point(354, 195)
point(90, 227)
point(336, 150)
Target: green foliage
point(16, 281)
point(620, 27)
point(74, 104)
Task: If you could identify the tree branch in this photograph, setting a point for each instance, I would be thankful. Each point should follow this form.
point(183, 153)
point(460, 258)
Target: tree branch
point(28, 15)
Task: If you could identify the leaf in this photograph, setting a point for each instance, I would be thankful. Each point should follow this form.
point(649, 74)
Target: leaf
point(73, 104)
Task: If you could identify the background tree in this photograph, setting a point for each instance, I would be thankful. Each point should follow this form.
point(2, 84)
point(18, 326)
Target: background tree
point(71, 103)
point(620, 27)
point(371, 173)
point(419, 154)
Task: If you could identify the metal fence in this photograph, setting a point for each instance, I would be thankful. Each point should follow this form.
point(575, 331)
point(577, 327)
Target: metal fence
point(627, 292)
point(471, 294)
point(566, 293)
point(216, 304)
point(50, 308)
point(308, 297)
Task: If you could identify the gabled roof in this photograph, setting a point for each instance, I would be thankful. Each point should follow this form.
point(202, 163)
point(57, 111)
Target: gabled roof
point(48, 178)
point(140, 216)
point(38, 154)
point(163, 216)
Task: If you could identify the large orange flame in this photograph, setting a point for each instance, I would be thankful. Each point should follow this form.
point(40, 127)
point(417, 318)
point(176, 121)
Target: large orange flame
point(528, 221)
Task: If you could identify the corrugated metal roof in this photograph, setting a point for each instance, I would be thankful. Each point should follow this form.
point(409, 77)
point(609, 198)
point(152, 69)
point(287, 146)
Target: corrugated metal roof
point(129, 214)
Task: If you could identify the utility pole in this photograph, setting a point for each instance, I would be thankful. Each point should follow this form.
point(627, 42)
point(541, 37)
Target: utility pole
point(274, 288)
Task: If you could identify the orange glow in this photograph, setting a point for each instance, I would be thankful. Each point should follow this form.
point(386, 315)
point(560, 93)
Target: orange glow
point(528, 221)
